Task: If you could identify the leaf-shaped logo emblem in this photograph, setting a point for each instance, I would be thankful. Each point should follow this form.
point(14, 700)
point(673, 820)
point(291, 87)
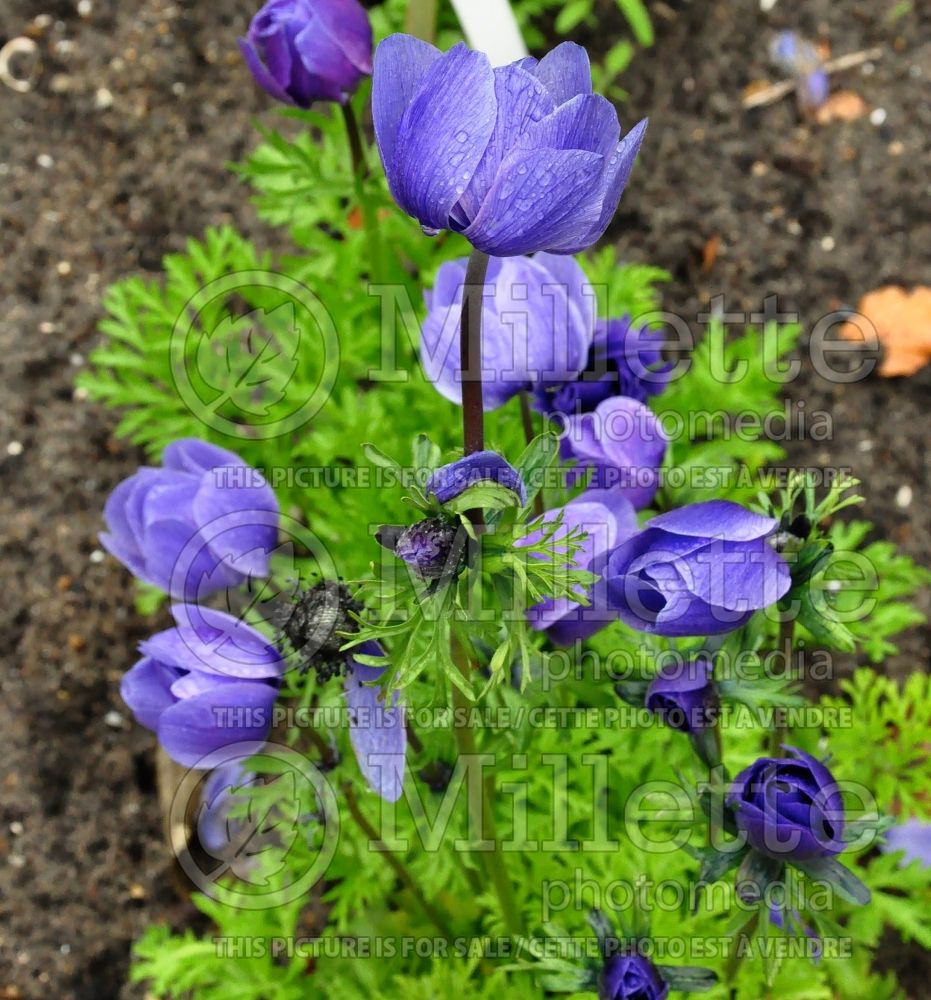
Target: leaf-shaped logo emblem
point(242, 825)
point(251, 359)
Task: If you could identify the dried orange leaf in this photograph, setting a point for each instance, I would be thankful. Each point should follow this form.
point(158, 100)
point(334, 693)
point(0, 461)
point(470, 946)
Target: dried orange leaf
point(903, 324)
point(844, 106)
point(709, 253)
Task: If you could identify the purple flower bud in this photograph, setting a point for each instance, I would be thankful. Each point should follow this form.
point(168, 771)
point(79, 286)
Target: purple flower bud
point(204, 522)
point(623, 443)
point(538, 321)
point(790, 809)
point(518, 159)
point(435, 548)
point(607, 518)
point(699, 570)
point(451, 481)
point(624, 360)
point(631, 977)
point(684, 696)
point(207, 683)
point(301, 51)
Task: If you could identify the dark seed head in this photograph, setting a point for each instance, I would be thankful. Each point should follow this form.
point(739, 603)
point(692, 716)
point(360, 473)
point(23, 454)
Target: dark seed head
point(315, 625)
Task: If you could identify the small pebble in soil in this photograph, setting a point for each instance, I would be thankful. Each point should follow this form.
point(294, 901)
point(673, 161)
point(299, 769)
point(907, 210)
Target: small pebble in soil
point(14, 448)
point(767, 5)
point(103, 99)
point(896, 148)
point(45, 161)
point(76, 360)
point(903, 497)
point(16, 829)
point(97, 556)
point(877, 116)
point(85, 7)
point(865, 445)
point(828, 244)
point(113, 719)
point(794, 227)
point(63, 267)
point(17, 861)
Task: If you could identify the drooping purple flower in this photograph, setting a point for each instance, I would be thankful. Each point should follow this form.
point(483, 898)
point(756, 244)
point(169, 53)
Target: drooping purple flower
point(203, 522)
point(683, 694)
point(622, 442)
point(913, 838)
point(207, 683)
point(377, 731)
point(606, 517)
point(699, 570)
point(518, 159)
point(451, 481)
point(789, 808)
point(301, 51)
point(631, 977)
point(537, 325)
point(624, 360)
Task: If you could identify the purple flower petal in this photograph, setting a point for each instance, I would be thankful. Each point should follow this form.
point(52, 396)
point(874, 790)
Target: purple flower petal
point(913, 838)
point(401, 63)
point(450, 481)
point(377, 732)
point(239, 522)
point(715, 519)
point(146, 689)
point(539, 200)
point(587, 122)
point(565, 72)
point(346, 24)
point(736, 576)
point(443, 135)
point(235, 713)
point(261, 75)
point(521, 101)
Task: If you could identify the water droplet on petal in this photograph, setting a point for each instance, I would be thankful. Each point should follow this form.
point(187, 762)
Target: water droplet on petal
point(462, 136)
point(430, 231)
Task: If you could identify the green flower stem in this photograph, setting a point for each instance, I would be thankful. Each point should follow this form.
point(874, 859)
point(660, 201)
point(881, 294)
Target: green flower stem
point(737, 954)
point(786, 646)
point(436, 918)
point(482, 803)
point(360, 174)
point(527, 419)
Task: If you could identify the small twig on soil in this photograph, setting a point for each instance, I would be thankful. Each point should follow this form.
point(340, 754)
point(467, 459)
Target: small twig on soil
point(770, 95)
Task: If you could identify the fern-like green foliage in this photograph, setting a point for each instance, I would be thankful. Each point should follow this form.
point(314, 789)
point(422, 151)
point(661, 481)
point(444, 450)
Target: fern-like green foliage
point(592, 797)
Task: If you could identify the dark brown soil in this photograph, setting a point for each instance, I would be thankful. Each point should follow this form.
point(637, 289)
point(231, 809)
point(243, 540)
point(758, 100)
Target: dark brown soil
point(82, 865)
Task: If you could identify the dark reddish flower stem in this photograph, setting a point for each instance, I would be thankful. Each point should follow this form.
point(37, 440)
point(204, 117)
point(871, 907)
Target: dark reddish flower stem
point(470, 354)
